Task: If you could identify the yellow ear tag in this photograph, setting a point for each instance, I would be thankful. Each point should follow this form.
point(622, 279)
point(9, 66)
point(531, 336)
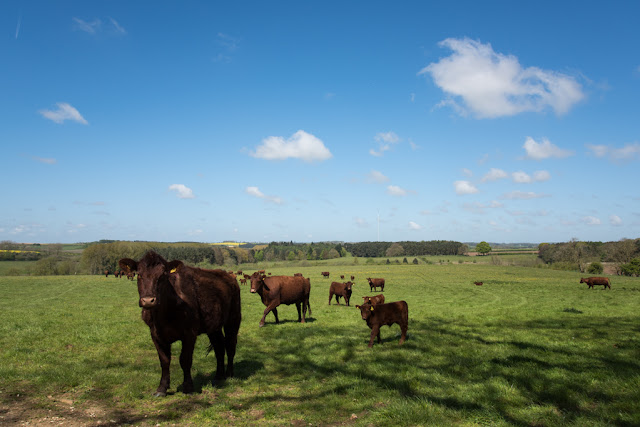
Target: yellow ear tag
point(173, 271)
point(371, 308)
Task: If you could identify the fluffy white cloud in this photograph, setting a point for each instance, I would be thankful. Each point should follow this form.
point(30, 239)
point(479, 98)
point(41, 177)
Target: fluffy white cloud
point(385, 141)
point(255, 192)
point(394, 190)
point(615, 220)
point(464, 187)
point(360, 222)
point(492, 84)
point(378, 177)
point(591, 220)
point(543, 150)
point(62, 113)
point(414, 226)
point(628, 152)
point(301, 145)
point(540, 176)
point(521, 177)
point(183, 192)
point(494, 175)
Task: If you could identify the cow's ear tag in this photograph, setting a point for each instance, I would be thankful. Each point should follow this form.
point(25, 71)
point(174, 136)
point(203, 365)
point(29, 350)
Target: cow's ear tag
point(173, 271)
point(371, 308)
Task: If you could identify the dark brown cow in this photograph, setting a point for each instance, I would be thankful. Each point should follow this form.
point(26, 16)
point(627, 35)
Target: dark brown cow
point(353, 278)
point(477, 283)
point(374, 284)
point(239, 272)
point(297, 275)
point(131, 275)
point(385, 314)
point(342, 276)
point(178, 304)
point(340, 290)
point(591, 281)
point(106, 273)
point(378, 299)
point(276, 290)
point(325, 274)
point(243, 281)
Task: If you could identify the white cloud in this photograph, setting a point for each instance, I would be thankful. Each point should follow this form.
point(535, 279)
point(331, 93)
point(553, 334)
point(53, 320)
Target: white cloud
point(491, 84)
point(414, 226)
point(540, 176)
point(543, 150)
point(378, 177)
point(255, 192)
point(88, 27)
point(626, 153)
point(394, 190)
point(467, 172)
point(521, 177)
point(522, 195)
point(464, 187)
point(494, 175)
point(360, 222)
point(64, 112)
point(591, 220)
point(385, 141)
point(301, 145)
point(117, 27)
point(45, 160)
point(615, 220)
point(480, 208)
point(182, 191)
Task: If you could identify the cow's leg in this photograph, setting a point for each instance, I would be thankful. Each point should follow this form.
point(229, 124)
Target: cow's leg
point(271, 307)
point(375, 331)
point(164, 354)
point(217, 340)
point(230, 342)
point(403, 333)
point(186, 360)
point(300, 318)
point(304, 308)
point(330, 297)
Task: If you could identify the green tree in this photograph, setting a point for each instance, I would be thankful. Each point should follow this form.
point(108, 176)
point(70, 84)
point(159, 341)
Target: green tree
point(595, 268)
point(483, 248)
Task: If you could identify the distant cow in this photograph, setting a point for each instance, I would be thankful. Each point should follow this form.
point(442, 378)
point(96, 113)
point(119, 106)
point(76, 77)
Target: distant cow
point(591, 281)
point(374, 284)
point(477, 283)
point(178, 304)
point(325, 273)
point(276, 290)
point(106, 273)
point(385, 314)
point(342, 276)
point(243, 281)
point(353, 278)
point(378, 299)
point(131, 275)
point(297, 275)
point(340, 290)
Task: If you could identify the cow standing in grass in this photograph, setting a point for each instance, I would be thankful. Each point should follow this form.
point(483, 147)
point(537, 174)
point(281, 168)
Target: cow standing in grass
point(276, 290)
point(591, 281)
point(385, 314)
point(374, 284)
point(340, 290)
point(178, 304)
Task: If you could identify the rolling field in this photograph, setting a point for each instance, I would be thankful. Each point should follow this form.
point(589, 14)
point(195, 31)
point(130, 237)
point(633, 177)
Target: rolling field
point(530, 347)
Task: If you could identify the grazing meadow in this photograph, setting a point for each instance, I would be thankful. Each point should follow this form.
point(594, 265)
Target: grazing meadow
point(531, 346)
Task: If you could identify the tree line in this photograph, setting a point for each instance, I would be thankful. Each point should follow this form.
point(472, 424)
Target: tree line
point(407, 248)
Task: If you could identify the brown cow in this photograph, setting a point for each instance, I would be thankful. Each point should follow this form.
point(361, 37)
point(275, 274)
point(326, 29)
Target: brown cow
point(106, 273)
point(276, 290)
point(385, 314)
point(325, 274)
point(374, 284)
point(342, 276)
point(353, 278)
point(131, 275)
point(591, 281)
point(243, 281)
point(340, 290)
point(178, 304)
point(477, 283)
point(378, 299)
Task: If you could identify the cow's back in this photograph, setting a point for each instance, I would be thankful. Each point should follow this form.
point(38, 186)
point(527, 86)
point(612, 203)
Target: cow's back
point(393, 312)
point(292, 289)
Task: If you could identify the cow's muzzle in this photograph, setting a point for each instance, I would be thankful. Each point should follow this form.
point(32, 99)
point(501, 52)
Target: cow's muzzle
point(253, 291)
point(148, 302)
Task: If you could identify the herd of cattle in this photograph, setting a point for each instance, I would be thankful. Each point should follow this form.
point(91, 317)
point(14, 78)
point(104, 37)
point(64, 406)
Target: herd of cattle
point(180, 302)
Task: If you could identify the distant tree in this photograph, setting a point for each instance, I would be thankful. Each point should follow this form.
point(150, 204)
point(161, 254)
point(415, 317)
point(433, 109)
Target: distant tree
point(631, 269)
point(483, 248)
point(404, 261)
point(595, 268)
point(415, 260)
point(394, 250)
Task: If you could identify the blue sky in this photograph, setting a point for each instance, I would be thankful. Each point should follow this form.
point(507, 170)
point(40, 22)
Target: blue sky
point(314, 121)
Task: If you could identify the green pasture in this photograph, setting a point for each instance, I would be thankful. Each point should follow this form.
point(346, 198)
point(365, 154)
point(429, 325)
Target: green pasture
point(530, 347)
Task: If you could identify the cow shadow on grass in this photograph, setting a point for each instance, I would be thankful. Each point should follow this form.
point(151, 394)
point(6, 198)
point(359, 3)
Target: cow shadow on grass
point(242, 370)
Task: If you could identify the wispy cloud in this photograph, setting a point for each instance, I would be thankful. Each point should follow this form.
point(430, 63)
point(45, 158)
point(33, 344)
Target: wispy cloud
point(96, 26)
point(62, 113)
point(521, 177)
point(394, 190)
point(591, 220)
point(360, 222)
point(522, 195)
point(182, 191)
point(492, 84)
point(255, 192)
point(544, 150)
point(385, 141)
point(627, 153)
point(377, 177)
point(615, 220)
point(414, 226)
point(228, 45)
point(45, 160)
point(480, 208)
point(301, 145)
point(464, 187)
point(494, 175)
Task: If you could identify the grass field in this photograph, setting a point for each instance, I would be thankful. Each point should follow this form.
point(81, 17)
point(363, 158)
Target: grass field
point(530, 347)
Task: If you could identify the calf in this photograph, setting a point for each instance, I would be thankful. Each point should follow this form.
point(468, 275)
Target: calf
point(374, 284)
point(378, 299)
point(278, 290)
point(385, 314)
point(325, 274)
point(591, 281)
point(477, 283)
point(340, 290)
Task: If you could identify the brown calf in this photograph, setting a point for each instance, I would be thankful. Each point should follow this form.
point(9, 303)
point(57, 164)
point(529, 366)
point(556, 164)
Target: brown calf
point(378, 299)
point(385, 314)
point(340, 290)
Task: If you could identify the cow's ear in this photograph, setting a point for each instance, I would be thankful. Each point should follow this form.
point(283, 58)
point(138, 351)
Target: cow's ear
point(172, 266)
point(128, 264)
point(357, 306)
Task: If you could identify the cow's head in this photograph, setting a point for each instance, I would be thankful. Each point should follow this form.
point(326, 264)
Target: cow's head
point(366, 310)
point(583, 280)
point(348, 286)
point(153, 272)
point(257, 282)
